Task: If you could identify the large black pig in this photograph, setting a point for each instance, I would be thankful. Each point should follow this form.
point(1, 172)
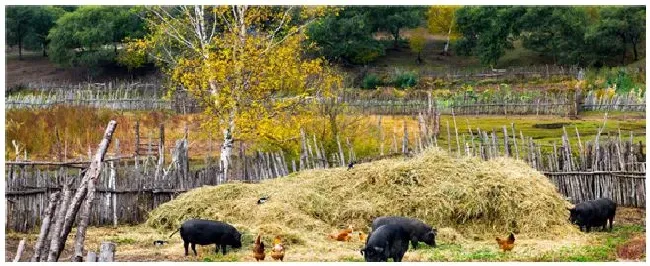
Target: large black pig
point(388, 241)
point(593, 213)
point(417, 230)
point(206, 232)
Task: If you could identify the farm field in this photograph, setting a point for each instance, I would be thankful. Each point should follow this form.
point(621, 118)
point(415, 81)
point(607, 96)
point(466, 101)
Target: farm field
point(86, 129)
point(306, 126)
point(135, 244)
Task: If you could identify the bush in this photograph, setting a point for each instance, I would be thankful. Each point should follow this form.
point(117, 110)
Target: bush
point(370, 82)
point(405, 80)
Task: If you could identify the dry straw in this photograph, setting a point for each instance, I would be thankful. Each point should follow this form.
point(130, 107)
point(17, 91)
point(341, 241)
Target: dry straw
point(471, 198)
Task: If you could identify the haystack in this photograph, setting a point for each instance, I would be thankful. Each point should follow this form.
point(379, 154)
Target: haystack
point(478, 199)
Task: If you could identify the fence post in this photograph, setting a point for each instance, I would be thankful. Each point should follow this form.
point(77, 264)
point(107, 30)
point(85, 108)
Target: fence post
point(45, 226)
point(107, 252)
point(91, 256)
point(90, 179)
point(21, 248)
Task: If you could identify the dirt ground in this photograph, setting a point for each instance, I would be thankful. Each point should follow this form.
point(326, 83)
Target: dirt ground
point(36, 68)
point(135, 243)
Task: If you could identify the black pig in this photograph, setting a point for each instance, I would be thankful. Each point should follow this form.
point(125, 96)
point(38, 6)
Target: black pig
point(417, 230)
point(593, 213)
point(206, 232)
point(388, 241)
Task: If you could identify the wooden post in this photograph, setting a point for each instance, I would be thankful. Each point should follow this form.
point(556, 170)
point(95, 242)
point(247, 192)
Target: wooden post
point(107, 252)
point(91, 257)
point(506, 148)
point(394, 141)
point(514, 140)
point(381, 137)
point(456, 129)
point(303, 150)
point(45, 226)
point(448, 138)
point(137, 142)
point(405, 139)
point(597, 145)
point(57, 230)
point(21, 248)
point(87, 184)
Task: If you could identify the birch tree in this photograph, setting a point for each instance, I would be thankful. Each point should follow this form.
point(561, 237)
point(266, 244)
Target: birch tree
point(244, 64)
point(440, 20)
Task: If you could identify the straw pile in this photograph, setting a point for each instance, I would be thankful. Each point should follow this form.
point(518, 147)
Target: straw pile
point(471, 197)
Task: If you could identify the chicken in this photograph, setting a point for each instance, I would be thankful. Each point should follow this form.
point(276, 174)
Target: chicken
point(277, 253)
point(343, 235)
point(258, 249)
point(362, 237)
point(507, 244)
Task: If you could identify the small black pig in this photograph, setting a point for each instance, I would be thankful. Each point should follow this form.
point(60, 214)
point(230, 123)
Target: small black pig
point(206, 232)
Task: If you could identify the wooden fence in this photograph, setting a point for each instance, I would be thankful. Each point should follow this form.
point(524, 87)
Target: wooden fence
point(129, 188)
point(516, 103)
point(467, 75)
point(539, 101)
point(127, 191)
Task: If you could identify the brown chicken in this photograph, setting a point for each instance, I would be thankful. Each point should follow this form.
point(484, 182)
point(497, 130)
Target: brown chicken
point(343, 235)
point(277, 253)
point(507, 244)
point(258, 249)
point(362, 237)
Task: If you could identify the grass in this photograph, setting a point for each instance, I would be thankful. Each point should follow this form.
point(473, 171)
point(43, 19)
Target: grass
point(587, 125)
point(35, 130)
point(595, 246)
point(598, 246)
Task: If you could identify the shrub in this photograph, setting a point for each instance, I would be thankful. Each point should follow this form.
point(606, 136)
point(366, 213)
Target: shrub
point(405, 80)
point(370, 81)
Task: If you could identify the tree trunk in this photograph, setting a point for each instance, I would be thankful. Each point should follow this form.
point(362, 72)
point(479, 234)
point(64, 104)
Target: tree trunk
point(396, 39)
point(91, 178)
point(624, 50)
point(446, 49)
point(44, 48)
point(226, 149)
point(636, 55)
point(60, 218)
point(21, 248)
point(20, 48)
point(107, 252)
point(45, 226)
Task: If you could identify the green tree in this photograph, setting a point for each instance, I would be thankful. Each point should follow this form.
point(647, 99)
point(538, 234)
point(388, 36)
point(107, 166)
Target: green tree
point(345, 37)
point(617, 28)
point(487, 31)
point(394, 18)
point(555, 31)
point(42, 21)
point(417, 42)
point(17, 25)
point(86, 35)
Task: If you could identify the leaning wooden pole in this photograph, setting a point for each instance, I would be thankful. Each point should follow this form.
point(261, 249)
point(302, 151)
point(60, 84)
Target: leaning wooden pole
point(45, 226)
point(21, 248)
point(90, 179)
point(57, 227)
